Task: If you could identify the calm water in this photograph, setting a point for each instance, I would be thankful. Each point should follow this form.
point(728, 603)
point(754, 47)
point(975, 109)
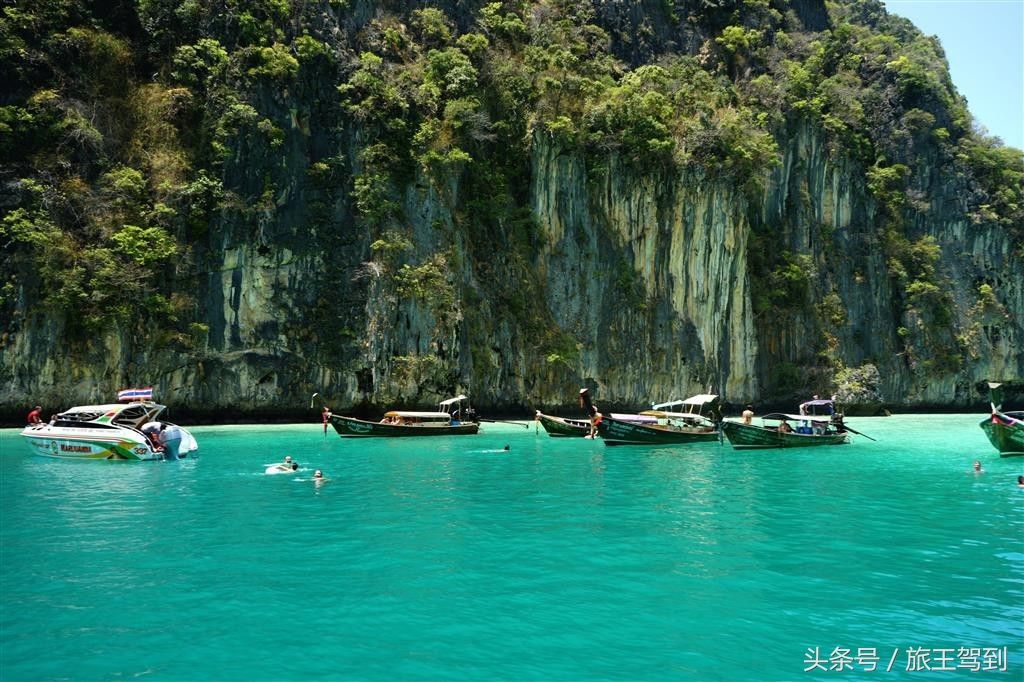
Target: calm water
point(557, 560)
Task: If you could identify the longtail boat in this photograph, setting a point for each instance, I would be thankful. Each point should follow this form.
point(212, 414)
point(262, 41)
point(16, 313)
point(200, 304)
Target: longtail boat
point(558, 427)
point(775, 431)
point(694, 422)
point(1005, 430)
point(451, 419)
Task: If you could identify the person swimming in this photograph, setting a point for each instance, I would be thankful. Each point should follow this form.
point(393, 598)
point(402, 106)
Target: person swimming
point(286, 467)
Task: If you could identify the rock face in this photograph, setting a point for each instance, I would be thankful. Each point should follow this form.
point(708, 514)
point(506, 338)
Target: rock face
point(644, 277)
point(642, 284)
point(686, 240)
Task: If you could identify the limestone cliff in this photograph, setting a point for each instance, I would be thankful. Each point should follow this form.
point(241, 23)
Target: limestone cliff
point(333, 259)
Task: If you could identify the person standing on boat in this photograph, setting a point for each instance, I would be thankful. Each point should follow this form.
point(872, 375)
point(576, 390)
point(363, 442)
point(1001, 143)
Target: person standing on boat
point(152, 432)
point(33, 416)
point(592, 412)
point(170, 438)
point(748, 414)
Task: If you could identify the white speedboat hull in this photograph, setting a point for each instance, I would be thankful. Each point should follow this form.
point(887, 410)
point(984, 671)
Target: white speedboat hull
point(114, 442)
point(69, 443)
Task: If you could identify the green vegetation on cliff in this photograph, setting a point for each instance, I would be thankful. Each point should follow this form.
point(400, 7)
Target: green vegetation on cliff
point(137, 139)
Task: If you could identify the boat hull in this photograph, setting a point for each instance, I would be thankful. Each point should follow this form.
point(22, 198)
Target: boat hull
point(350, 427)
point(619, 432)
point(559, 427)
point(48, 442)
point(751, 437)
point(1008, 439)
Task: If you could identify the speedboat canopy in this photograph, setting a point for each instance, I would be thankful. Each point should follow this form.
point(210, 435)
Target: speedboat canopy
point(126, 414)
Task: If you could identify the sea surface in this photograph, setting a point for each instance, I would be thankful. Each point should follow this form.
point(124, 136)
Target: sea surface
point(455, 559)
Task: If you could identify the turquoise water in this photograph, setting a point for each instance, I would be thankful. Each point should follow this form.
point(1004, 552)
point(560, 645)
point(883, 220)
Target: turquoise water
point(452, 559)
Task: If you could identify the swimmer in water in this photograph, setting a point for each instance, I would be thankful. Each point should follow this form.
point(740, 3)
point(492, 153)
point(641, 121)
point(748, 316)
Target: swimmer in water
point(506, 447)
point(977, 467)
point(286, 467)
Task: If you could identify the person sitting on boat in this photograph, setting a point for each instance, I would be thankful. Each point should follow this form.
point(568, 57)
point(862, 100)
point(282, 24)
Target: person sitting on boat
point(33, 416)
point(170, 438)
point(784, 427)
point(748, 414)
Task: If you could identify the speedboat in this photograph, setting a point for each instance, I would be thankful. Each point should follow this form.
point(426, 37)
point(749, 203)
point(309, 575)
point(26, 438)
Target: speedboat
point(116, 431)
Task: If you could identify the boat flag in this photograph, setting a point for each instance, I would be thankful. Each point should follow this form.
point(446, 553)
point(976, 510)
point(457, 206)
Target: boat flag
point(130, 394)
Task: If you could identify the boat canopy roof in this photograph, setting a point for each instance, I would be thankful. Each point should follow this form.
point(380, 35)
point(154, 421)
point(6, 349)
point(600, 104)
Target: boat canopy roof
point(457, 399)
point(702, 399)
point(780, 416)
point(133, 414)
point(635, 418)
point(661, 414)
point(418, 415)
point(813, 406)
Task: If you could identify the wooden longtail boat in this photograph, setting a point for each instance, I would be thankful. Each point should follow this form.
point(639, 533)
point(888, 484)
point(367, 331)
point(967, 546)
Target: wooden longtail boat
point(450, 420)
point(559, 427)
point(662, 426)
point(811, 431)
point(1005, 430)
